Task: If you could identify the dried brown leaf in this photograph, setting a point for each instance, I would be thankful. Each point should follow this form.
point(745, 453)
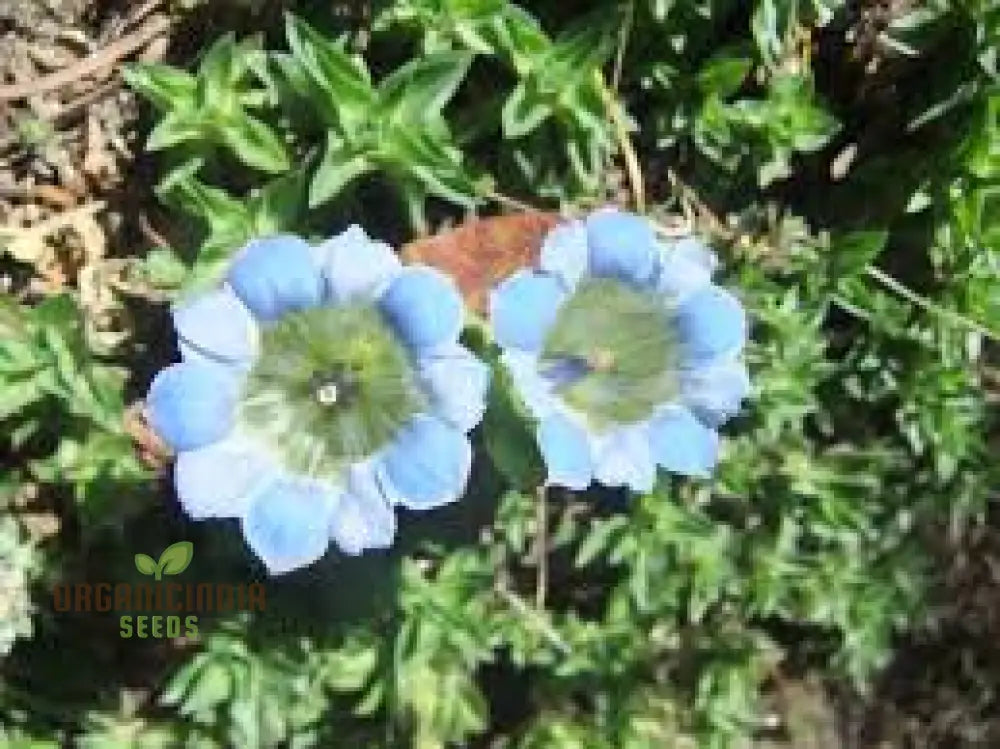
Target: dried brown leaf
point(482, 252)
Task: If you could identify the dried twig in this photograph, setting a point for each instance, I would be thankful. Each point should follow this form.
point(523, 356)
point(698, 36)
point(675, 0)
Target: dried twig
point(511, 203)
point(105, 58)
point(542, 547)
point(151, 233)
point(136, 15)
point(536, 618)
point(689, 199)
point(623, 39)
point(632, 167)
point(52, 195)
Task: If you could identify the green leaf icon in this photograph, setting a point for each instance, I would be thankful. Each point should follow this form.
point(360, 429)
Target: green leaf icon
point(145, 564)
point(176, 558)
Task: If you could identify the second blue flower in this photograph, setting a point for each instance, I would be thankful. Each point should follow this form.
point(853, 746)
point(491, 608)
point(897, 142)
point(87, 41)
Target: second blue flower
point(623, 350)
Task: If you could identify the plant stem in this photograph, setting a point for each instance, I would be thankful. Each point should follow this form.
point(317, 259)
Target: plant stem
point(541, 547)
point(926, 304)
point(538, 619)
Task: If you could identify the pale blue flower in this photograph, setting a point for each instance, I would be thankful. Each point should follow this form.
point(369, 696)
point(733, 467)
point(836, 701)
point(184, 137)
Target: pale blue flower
point(320, 387)
point(623, 350)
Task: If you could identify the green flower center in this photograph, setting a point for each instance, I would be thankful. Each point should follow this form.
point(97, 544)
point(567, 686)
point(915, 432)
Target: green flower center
point(332, 385)
point(612, 352)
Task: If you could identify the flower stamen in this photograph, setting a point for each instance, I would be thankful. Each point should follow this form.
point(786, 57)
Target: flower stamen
point(331, 386)
point(601, 360)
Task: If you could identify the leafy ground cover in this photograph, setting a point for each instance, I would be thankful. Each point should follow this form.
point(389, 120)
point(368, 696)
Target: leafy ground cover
point(833, 585)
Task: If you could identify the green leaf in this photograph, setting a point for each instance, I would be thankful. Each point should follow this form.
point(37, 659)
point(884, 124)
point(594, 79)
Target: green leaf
point(176, 558)
point(774, 169)
point(661, 8)
point(337, 169)
point(162, 268)
point(254, 143)
point(723, 76)
point(222, 66)
point(166, 87)
point(349, 670)
point(598, 539)
point(175, 128)
point(854, 250)
point(279, 203)
point(768, 27)
point(520, 35)
point(420, 89)
point(433, 162)
point(578, 52)
point(373, 699)
point(145, 564)
point(509, 437)
point(330, 68)
point(220, 211)
point(523, 112)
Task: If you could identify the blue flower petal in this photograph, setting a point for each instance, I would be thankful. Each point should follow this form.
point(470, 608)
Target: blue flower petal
point(275, 275)
point(565, 253)
point(425, 307)
point(523, 308)
point(565, 449)
point(354, 266)
point(623, 458)
point(533, 389)
point(712, 324)
point(217, 481)
point(217, 326)
point(716, 392)
point(622, 246)
point(192, 404)
point(427, 465)
point(287, 522)
point(457, 382)
point(682, 444)
point(685, 267)
point(362, 518)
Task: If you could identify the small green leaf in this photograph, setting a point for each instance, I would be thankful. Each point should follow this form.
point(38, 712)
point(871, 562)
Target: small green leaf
point(145, 564)
point(521, 36)
point(162, 268)
point(349, 670)
point(854, 250)
point(176, 558)
point(255, 144)
point(220, 211)
point(598, 539)
point(337, 169)
point(523, 112)
point(222, 66)
point(579, 50)
point(173, 129)
point(661, 8)
point(279, 203)
point(420, 89)
point(166, 87)
point(373, 699)
point(433, 161)
point(509, 438)
point(723, 76)
point(768, 28)
point(332, 70)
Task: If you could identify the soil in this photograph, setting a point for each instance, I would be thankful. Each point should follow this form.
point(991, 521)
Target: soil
point(76, 196)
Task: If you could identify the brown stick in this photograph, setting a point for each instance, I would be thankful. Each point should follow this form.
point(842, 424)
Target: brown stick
point(103, 59)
